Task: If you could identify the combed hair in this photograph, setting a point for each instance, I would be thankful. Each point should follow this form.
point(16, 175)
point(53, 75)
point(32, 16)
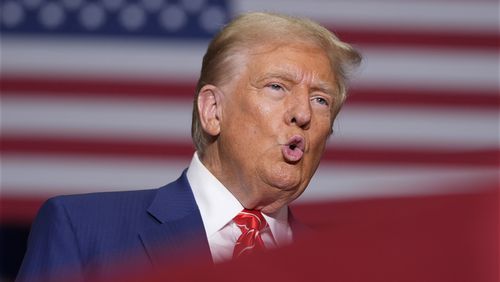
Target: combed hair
point(250, 30)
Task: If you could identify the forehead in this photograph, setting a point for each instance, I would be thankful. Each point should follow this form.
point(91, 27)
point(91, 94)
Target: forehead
point(298, 62)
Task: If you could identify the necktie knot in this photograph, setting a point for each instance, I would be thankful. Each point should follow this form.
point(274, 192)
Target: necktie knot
point(251, 223)
point(250, 219)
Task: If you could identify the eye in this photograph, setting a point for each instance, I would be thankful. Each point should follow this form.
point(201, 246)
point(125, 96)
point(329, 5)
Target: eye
point(275, 86)
point(321, 101)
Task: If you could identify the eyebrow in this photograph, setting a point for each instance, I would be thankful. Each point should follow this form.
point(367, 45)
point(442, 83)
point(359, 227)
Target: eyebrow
point(324, 87)
point(280, 75)
point(321, 85)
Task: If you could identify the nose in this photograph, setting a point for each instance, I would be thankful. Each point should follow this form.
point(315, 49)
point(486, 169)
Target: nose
point(300, 111)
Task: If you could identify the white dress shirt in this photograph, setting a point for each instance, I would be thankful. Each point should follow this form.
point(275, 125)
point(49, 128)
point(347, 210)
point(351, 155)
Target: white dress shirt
point(218, 207)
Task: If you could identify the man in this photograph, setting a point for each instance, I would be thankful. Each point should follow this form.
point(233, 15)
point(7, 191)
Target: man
point(269, 91)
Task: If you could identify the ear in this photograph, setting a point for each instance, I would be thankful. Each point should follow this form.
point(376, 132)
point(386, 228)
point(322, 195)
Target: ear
point(209, 109)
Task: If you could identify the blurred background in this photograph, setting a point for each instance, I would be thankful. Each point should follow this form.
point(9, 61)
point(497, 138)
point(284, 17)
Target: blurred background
point(97, 96)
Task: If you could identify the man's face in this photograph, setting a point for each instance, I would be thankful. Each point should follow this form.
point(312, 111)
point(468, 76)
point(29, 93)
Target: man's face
point(276, 117)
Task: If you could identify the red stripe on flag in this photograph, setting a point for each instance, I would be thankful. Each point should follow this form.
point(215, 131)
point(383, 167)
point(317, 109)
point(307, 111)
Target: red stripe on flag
point(419, 38)
point(96, 147)
point(168, 149)
point(19, 210)
point(449, 98)
point(95, 88)
point(167, 91)
point(427, 157)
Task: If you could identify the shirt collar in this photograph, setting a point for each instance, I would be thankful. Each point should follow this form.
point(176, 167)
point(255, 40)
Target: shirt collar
point(280, 228)
point(218, 206)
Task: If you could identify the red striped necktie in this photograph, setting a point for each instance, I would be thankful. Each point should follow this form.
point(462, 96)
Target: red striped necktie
point(251, 224)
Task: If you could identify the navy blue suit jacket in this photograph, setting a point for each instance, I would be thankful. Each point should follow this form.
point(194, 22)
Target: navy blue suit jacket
point(89, 234)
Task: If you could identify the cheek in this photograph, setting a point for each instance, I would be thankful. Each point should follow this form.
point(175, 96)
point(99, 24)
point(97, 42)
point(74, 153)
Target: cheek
point(265, 108)
point(250, 121)
point(321, 135)
point(264, 116)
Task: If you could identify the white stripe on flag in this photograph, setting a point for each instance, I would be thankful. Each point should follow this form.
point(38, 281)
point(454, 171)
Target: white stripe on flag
point(476, 16)
point(382, 126)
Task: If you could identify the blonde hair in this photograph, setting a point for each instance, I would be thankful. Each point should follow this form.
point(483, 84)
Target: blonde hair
point(249, 30)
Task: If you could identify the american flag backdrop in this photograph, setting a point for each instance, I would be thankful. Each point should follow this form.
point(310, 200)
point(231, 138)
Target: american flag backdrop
point(97, 95)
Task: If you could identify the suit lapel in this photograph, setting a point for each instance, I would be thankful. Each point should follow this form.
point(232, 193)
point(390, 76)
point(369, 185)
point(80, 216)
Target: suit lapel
point(176, 233)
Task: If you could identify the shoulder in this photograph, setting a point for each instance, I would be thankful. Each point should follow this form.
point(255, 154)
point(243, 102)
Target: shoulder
point(73, 230)
point(127, 208)
point(102, 201)
point(95, 200)
point(98, 202)
point(95, 209)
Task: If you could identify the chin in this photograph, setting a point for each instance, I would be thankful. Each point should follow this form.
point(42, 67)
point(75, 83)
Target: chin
point(284, 176)
point(289, 184)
